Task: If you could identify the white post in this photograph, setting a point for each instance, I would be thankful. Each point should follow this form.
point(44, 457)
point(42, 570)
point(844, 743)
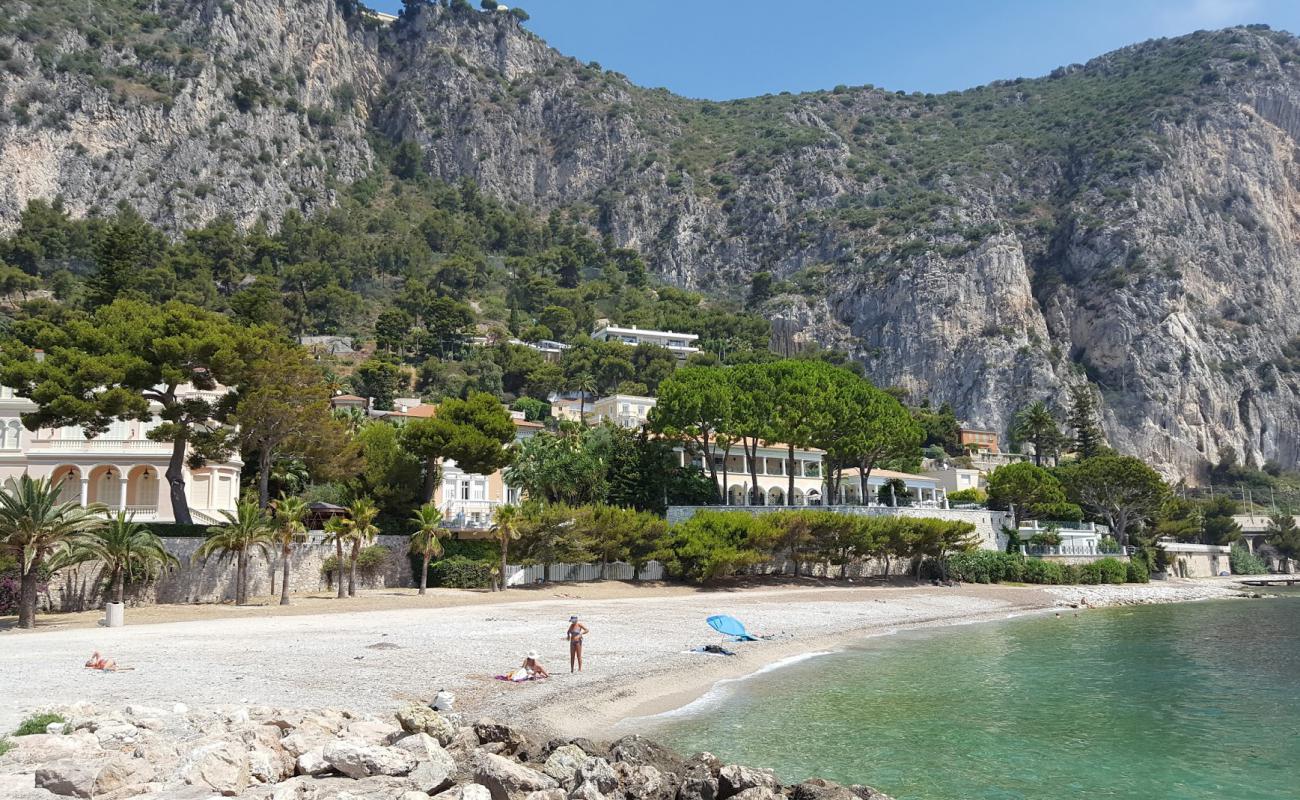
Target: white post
point(85, 491)
point(121, 493)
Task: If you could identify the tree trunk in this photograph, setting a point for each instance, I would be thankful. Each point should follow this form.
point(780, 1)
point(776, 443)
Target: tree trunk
point(176, 480)
point(27, 597)
point(240, 583)
point(424, 574)
point(264, 477)
point(338, 565)
point(352, 569)
point(119, 585)
point(864, 481)
point(430, 478)
point(726, 491)
point(752, 457)
point(505, 547)
point(287, 553)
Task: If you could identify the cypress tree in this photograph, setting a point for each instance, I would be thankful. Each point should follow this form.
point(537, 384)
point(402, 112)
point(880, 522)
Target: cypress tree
point(1089, 440)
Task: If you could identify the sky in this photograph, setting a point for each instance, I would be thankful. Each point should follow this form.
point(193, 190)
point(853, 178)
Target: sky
point(726, 50)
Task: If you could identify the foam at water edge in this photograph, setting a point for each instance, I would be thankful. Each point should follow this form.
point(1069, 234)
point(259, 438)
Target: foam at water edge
point(719, 689)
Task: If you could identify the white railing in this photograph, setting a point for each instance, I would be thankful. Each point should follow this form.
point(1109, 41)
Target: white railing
point(98, 445)
point(468, 514)
point(142, 513)
point(574, 573)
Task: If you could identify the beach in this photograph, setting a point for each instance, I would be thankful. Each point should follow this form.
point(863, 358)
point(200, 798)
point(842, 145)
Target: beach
point(638, 652)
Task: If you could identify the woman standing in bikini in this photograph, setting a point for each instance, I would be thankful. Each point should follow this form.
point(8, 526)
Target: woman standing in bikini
point(576, 631)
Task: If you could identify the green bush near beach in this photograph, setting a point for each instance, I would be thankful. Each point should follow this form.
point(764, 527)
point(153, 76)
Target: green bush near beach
point(1243, 562)
point(37, 723)
point(986, 566)
point(5, 745)
point(459, 572)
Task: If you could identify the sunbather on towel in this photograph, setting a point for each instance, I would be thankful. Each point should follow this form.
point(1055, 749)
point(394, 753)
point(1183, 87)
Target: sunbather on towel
point(531, 669)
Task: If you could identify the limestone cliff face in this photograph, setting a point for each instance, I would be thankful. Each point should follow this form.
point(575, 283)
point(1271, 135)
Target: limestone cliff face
point(1132, 222)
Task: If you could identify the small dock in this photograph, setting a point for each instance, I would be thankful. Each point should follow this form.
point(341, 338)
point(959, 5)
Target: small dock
point(1280, 580)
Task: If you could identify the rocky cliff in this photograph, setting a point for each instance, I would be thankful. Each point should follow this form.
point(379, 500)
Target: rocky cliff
point(1131, 222)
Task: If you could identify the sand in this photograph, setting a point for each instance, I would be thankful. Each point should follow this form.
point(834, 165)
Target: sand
point(396, 647)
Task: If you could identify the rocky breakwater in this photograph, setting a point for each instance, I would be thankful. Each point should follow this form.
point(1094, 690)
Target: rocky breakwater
point(280, 754)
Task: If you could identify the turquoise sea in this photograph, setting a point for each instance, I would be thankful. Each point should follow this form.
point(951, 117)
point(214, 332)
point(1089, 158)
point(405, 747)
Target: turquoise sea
point(1190, 701)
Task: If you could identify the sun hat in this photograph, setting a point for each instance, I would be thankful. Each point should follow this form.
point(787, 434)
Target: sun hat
point(573, 618)
point(533, 654)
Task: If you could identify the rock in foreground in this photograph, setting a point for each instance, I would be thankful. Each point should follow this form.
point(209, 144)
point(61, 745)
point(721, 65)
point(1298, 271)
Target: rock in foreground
point(280, 754)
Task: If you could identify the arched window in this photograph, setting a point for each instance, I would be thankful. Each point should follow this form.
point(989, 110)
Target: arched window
point(13, 441)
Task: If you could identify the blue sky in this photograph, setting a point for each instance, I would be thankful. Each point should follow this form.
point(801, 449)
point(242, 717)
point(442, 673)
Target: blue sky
point(723, 50)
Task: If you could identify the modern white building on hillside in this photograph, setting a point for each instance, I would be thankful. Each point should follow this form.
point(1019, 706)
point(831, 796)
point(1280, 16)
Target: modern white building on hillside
point(623, 410)
point(680, 344)
point(123, 468)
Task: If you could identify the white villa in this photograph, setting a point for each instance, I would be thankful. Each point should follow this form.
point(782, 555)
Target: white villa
point(810, 489)
point(123, 468)
point(623, 410)
point(467, 499)
point(681, 344)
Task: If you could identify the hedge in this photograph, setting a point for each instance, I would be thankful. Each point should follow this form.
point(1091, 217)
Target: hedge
point(485, 552)
point(987, 566)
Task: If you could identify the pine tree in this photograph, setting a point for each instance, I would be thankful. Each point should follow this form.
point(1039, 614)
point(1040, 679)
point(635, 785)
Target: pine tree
point(1089, 440)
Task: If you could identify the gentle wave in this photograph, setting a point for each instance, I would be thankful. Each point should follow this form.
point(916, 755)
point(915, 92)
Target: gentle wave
point(719, 689)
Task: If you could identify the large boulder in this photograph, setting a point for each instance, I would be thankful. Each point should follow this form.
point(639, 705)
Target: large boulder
point(74, 777)
point(563, 764)
point(642, 752)
point(586, 791)
point(506, 779)
point(221, 766)
point(547, 794)
point(821, 789)
point(734, 779)
point(42, 748)
point(700, 778)
point(434, 775)
point(490, 731)
point(312, 762)
point(361, 760)
point(468, 791)
point(597, 772)
point(758, 793)
point(644, 783)
point(372, 730)
point(69, 777)
point(422, 719)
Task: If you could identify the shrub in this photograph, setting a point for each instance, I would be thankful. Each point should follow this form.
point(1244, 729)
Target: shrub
point(1137, 572)
point(715, 544)
point(1108, 545)
point(459, 572)
point(976, 496)
point(5, 745)
point(369, 560)
point(485, 552)
point(987, 566)
point(1043, 572)
point(37, 723)
point(1105, 570)
point(1243, 562)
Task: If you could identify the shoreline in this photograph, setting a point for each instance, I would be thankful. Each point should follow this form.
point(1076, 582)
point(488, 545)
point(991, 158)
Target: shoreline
point(616, 711)
point(638, 659)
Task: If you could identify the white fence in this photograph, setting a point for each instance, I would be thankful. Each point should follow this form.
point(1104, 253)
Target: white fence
point(572, 573)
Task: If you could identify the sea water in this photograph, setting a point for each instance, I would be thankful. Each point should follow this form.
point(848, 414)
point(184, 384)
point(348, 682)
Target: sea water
point(1187, 701)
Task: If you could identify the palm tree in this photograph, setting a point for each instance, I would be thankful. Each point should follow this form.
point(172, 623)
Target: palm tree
point(424, 542)
point(506, 521)
point(336, 532)
point(34, 525)
point(289, 528)
point(361, 530)
point(585, 384)
point(123, 546)
point(246, 530)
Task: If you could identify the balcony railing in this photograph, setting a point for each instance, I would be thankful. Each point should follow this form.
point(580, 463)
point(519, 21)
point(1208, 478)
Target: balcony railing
point(468, 514)
point(99, 445)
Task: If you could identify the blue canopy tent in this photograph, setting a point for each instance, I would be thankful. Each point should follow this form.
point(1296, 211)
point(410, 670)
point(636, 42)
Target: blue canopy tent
point(730, 626)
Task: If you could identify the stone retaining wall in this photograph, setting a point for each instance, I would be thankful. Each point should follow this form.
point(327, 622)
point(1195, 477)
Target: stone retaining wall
point(213, 581)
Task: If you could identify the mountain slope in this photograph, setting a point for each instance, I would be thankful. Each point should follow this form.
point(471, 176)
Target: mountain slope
point(1131, 222)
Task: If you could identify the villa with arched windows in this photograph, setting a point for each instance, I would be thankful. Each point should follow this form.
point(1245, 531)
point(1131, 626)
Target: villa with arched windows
point(122, 468)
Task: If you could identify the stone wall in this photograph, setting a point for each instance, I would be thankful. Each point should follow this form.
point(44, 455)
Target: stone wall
point(988, 524)
point(213, 581)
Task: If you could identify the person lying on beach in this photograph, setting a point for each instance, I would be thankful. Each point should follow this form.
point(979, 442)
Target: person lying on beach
point(530, 670)
point(99, 662)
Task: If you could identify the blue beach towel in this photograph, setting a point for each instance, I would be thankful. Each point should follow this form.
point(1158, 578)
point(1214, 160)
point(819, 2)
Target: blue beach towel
point(730, 626)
